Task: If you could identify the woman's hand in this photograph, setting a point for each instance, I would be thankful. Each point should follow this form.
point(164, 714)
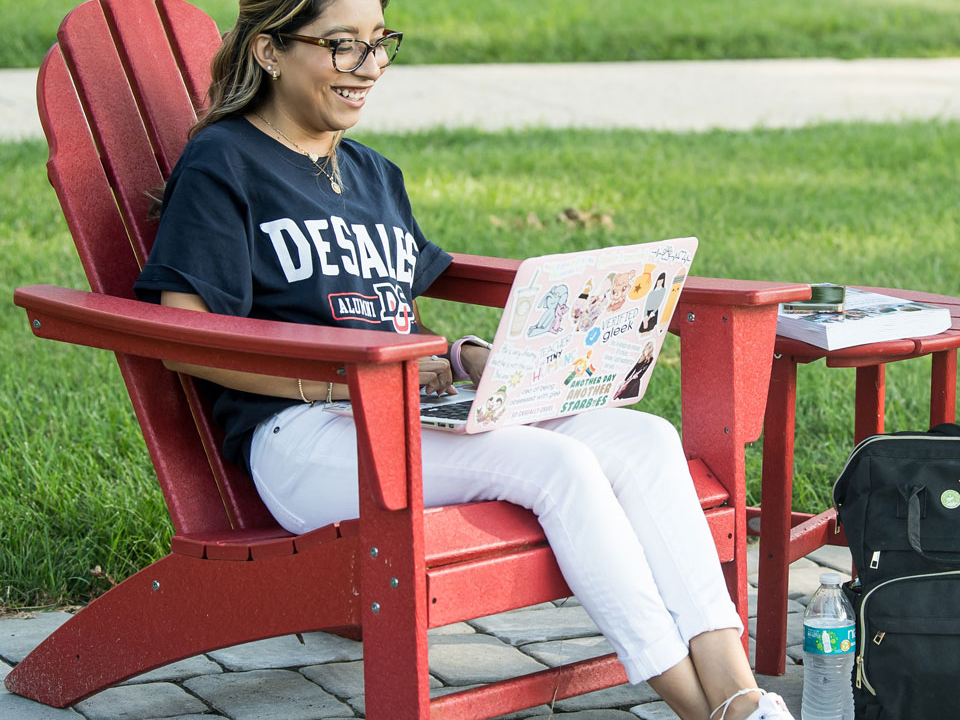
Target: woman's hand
point(436, 376)
point(473, 358)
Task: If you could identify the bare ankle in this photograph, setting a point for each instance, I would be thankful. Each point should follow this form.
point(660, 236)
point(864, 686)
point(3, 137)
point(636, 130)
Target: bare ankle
point(739, 705)
point(743, 706)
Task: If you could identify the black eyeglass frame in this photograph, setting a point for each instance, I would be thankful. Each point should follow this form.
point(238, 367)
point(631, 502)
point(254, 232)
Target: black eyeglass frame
point(334, 43)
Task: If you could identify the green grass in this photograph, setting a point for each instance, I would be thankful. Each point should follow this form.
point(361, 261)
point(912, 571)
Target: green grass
point(869, 204)
point(447, 31)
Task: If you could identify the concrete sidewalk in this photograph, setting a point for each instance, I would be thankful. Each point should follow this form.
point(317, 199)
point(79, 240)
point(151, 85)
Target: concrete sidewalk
point(686, 95)
point(280, 679)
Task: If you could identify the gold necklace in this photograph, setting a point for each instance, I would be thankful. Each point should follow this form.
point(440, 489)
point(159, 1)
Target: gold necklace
point(315, 159)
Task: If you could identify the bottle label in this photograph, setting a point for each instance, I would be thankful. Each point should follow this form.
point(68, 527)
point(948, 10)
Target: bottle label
point(829, 641)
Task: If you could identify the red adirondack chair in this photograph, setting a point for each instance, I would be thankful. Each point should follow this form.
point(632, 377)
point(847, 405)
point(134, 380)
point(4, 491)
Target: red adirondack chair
point(117, 95)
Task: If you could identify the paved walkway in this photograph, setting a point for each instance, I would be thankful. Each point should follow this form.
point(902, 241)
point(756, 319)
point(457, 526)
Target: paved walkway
point(738, 95)
point(280, 679)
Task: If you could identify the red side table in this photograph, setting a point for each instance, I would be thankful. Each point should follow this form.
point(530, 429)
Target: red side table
point(786, 536)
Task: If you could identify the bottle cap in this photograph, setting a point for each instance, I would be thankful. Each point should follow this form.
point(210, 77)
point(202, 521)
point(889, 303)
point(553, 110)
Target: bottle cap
point(830, 578)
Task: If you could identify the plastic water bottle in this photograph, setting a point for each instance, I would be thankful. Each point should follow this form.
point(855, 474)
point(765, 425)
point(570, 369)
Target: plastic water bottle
point(829, 646)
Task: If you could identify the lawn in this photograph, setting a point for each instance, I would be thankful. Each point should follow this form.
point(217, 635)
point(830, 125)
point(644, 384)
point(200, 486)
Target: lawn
point(870, 204)
point(440, 31)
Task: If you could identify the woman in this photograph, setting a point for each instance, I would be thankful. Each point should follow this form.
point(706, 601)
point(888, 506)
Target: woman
point(270, 213)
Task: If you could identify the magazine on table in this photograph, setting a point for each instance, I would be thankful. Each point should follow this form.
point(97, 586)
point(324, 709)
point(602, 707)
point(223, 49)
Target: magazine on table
point(864, 317)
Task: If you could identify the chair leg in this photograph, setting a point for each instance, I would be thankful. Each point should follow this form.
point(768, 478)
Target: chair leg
point(194, 606)
point(871, 394)
point(395, 662)
point(943, 388)
point(775, 520)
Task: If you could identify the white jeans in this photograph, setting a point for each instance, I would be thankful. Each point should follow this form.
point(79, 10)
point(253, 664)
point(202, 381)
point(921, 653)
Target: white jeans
point(611, 489)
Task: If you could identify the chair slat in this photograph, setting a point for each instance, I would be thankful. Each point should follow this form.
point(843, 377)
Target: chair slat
point(195, 38)
point(81, 185)
point(154, 76)
point(114, 118)
point(90, 209)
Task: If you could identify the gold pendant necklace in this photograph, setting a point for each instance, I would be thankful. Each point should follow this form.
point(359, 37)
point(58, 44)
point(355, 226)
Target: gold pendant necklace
point(315, 159)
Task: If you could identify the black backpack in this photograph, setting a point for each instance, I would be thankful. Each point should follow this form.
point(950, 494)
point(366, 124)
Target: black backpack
point(898, 499)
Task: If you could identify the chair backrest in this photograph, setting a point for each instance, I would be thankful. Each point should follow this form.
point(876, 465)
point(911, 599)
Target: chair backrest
point(117, 96)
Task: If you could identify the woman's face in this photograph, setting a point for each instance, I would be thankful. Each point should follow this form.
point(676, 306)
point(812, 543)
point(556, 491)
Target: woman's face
point(310, 91)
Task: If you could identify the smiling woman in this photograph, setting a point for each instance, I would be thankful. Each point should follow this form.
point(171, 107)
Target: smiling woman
point(271, 213)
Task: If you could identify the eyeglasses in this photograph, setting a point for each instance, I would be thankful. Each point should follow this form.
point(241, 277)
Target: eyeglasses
point(350, 53)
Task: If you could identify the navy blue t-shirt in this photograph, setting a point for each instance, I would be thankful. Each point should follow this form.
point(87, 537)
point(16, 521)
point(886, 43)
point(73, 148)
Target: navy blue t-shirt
point(254, 229)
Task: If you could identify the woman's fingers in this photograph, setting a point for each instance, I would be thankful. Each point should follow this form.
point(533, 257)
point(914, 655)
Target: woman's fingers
point(436, 376)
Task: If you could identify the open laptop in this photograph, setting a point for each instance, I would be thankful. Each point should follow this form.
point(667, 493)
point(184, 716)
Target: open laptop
point(579, 331)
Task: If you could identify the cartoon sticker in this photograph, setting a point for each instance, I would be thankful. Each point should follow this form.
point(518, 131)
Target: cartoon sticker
point(630, 387)
point(651, 309)
point(492, 409)
point(642, 283)
point(590, 303)
point(554, 307)
point(581, 367)
point(621, 285)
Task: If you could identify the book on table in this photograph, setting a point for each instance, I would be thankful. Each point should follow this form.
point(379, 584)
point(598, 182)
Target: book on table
point(866, 317)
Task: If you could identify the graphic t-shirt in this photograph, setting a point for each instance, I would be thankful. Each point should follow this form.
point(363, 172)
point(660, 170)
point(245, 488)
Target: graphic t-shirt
point(254, 229)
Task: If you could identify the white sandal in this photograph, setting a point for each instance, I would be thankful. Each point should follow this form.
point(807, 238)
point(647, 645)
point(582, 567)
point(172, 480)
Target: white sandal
point(770, 707)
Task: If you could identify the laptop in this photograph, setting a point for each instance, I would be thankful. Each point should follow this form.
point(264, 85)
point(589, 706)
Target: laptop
point(579, 331)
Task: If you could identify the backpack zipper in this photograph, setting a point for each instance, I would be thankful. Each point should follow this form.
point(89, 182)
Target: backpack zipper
point(862, 642)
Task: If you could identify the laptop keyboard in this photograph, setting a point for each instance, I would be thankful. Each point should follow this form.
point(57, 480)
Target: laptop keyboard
point(450, 411)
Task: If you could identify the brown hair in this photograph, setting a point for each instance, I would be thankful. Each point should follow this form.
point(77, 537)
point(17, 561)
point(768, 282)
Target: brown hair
point(237, 83)
point(238, 80)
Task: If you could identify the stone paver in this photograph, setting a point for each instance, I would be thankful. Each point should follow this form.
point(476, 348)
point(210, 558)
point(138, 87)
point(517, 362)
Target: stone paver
point(19, 636)
point(268, 695)
point(14, 707)
point(538, 625)
point(178, 671)
point(794, 628)
point(560, 652)
point(472, 659)
point(345, 681)
point(591, 715)
point(658, 710)
point(287, 652)
point(139, 702)
point(833, 556)
point(460, 628)
point(619, 696)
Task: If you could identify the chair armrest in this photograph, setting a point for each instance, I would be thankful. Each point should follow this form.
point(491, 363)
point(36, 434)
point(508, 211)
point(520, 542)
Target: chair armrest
point(720, 291)
point(476, 279)
point(264, 346)
point(381, 366)
point(727, 332)
point(483, 280)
